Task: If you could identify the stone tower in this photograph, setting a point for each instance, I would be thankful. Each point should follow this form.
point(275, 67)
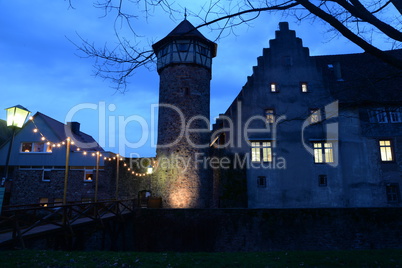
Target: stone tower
point(184, 60)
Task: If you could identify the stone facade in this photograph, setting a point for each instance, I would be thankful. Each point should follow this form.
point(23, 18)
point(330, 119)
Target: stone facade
point(28, 187)
point(184, 59)
point(307, 129)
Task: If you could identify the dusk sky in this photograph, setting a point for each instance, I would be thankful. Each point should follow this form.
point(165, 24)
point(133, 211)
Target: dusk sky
point(42, 71)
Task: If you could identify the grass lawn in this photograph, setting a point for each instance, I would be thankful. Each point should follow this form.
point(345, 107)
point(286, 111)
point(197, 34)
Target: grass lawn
point(354, 258)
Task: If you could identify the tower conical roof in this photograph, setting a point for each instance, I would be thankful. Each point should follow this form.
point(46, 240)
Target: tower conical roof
point(184, 30)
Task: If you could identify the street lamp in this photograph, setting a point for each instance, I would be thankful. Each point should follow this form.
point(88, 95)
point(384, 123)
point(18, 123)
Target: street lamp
point(16, 117)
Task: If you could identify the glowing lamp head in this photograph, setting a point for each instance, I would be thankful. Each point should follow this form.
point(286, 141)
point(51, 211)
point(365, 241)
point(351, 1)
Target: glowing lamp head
point(150, 169)
point(16, 116)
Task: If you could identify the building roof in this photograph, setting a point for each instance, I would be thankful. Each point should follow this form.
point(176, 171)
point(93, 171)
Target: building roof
point(61, 130)
point(182, 31)
point(5, 132)
point(185, 28)
point(361, 78)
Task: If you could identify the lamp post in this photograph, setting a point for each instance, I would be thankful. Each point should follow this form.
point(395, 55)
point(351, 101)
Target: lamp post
point(117, 176)
point(16, 117)
point(97, 176)
point(67, 167)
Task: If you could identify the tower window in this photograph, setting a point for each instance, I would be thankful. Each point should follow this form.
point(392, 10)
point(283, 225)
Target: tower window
point(274, 87)
point(386, 151)
point(262, 182)
point(203, 50)
point(186, 91)
point(303, 87)
point(164, 51)
point(182, 47)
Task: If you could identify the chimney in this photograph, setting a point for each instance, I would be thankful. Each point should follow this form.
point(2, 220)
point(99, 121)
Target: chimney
point(338, 73)
point(74, 126)
point(284, 26)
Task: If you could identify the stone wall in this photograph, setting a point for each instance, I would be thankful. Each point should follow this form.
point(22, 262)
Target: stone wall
point(183, 137)
point(266, 229)
point(28, 186)
point(223, 230)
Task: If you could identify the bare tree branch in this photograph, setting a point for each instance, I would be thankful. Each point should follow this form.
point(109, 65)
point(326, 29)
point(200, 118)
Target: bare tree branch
point(356, 20)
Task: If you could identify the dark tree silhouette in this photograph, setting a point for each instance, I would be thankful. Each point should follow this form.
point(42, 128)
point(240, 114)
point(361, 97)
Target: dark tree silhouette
point(356, 20)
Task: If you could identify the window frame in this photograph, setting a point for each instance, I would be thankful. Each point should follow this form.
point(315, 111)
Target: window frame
point(315, 113)
point(88, 172)
point(43, 201)
point(261, 182)
point(304, 88)
point(389, 152)
point(397, 112)
point(261, 151)
point(47, 148)
point(43, 175)
point(383, 115)
point(393, 197)
point(322, 153)
point(322, 180)
point(271, 120)
point(273, 87)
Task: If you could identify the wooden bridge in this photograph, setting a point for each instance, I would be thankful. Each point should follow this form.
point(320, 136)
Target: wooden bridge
point(18, 223)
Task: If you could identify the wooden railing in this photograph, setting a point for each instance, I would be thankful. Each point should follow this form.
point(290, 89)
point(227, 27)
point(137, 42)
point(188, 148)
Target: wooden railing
point(20, 221)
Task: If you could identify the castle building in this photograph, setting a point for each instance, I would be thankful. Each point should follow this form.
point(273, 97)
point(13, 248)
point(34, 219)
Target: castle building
point(184, 61)
point(313, 131)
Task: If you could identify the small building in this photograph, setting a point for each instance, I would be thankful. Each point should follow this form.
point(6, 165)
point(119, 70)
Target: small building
point(37, 163)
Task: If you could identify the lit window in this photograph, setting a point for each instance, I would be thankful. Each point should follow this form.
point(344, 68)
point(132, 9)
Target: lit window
point(274, 87)
point(43, 201)
point(270, 116)
point(322, 180)
point(26, 147)
point(46, 175)
point(315, 116)
point(88, 176)
point(323, 152)
point(261, 182)
point(261, 151)
point(386, 150)
point(266, 152)
point(35, 147)
point(392, 190)
point(255, 152)
point(395, 115)
point(303, 86)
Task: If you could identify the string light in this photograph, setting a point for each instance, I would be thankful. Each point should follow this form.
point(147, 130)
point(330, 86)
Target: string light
point(116, 157)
